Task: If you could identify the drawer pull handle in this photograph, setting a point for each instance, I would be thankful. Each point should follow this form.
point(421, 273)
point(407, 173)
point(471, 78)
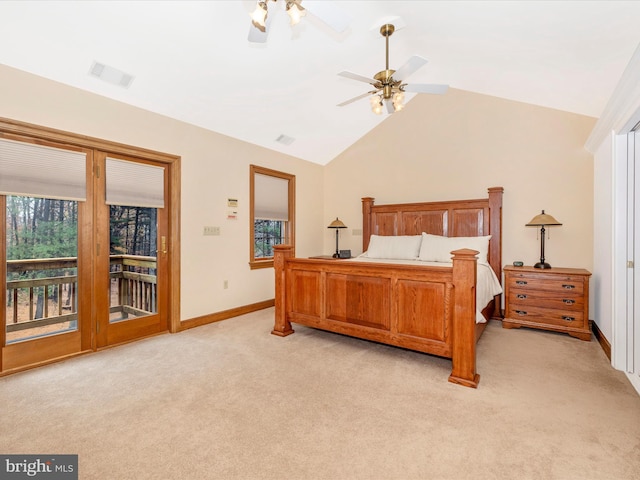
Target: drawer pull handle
point(521, 295)
point(520, 282)
point(522, 313)
point(569, 301)
point(567, 318)
point(567, 286)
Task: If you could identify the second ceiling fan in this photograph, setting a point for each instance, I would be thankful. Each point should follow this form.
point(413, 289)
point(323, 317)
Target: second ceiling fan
point(388, 84)
point(331, 16)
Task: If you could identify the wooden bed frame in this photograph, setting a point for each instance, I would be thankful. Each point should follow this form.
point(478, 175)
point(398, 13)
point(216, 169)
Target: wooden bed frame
point(422, 308)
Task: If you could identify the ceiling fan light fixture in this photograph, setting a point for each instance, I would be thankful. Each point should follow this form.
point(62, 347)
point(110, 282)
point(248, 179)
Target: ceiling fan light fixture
point(295, 11)
point(376, 104)
point(398, 101)
point(259, 16)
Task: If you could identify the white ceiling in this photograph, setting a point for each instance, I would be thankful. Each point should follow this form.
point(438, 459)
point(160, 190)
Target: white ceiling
point(192, 61)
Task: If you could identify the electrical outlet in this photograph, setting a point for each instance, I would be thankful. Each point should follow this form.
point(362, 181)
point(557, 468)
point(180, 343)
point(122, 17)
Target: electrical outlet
point(357, 231)
point(225, 284)
point(211, 230)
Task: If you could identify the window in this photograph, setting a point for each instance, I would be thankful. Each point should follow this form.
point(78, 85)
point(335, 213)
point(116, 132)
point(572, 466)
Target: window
point(272, 214)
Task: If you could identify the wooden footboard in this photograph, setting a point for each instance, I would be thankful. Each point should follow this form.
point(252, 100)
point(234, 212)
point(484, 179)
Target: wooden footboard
point(427, 309)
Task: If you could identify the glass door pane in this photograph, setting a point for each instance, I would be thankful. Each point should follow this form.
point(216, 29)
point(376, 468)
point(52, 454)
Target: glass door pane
point(42, 275)
point(133, 269)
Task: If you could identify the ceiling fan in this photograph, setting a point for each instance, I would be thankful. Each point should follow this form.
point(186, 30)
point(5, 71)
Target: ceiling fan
point(322, 10)
point(388, 84)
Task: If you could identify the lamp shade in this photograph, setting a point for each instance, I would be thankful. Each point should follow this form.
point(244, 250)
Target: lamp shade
point(295, 11)
point(543, 219)
point(337, 223)
point(259, 16)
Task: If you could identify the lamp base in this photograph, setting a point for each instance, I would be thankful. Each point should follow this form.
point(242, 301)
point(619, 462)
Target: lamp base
point(542, 265)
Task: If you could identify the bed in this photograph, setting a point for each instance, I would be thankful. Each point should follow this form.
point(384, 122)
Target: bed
point(425, 303)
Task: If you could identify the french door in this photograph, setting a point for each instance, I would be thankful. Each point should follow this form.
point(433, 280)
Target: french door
point(131, 249)
point(84, 270)
point(46, 197)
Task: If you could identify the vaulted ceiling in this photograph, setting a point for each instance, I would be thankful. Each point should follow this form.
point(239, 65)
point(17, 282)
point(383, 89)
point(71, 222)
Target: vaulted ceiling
point(192, 61)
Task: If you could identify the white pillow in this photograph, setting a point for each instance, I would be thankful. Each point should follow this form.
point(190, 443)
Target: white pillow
point(436, 248)
point(405, 247)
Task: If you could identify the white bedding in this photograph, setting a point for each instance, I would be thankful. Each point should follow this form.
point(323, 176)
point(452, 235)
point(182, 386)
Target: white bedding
point(487, 283)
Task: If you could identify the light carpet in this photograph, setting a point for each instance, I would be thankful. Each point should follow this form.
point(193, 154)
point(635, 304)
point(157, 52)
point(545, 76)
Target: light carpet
point(230, 401)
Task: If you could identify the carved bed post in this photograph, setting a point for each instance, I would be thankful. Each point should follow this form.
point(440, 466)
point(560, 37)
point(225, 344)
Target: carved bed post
point(367, 203)
point(282, 326)
point(463, 348)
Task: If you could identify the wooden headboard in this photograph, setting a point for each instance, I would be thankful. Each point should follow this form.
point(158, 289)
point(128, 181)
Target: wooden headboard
point(455, 218)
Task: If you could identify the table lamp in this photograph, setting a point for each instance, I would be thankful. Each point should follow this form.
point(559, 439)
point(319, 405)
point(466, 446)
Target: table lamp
point(337, 224)
point(542, 220)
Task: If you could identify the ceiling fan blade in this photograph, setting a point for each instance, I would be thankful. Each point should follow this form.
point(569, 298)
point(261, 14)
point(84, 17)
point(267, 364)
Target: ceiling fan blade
point(360, 78)
point(347, 102)
point(411, 65)
point(390, 107)
point(328, 14)
point(426, 88)
point(258, 36)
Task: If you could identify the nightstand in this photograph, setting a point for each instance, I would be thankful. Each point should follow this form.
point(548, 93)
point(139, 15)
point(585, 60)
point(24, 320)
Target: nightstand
point(326, 257)
point(555, 299)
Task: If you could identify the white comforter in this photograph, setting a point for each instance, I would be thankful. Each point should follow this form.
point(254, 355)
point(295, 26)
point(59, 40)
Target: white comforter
point(487, 283)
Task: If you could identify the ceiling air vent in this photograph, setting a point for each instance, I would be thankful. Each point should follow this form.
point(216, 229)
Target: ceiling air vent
point(111, 75)
point(285, 140)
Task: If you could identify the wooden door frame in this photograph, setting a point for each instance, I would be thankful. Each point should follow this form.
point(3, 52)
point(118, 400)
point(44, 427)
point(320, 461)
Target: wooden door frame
point(172, 164)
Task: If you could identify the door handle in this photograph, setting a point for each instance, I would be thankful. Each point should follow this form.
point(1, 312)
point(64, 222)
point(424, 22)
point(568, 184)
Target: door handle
point(163, 241)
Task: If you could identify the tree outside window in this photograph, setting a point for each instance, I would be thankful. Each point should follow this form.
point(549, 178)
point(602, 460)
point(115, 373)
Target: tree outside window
point(272, 200)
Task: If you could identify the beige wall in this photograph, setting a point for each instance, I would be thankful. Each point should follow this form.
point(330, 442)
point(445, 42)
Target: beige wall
point(440, 147)
point(214, 168)
point(457, 145)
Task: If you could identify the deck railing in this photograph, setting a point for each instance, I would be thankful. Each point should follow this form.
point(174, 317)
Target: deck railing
point(131, 292)
point(136, 292)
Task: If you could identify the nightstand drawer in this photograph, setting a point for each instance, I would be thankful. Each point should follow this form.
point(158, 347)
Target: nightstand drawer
point(534, 298)
point(555, 299)
point(546, 316)
point(547, 283)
